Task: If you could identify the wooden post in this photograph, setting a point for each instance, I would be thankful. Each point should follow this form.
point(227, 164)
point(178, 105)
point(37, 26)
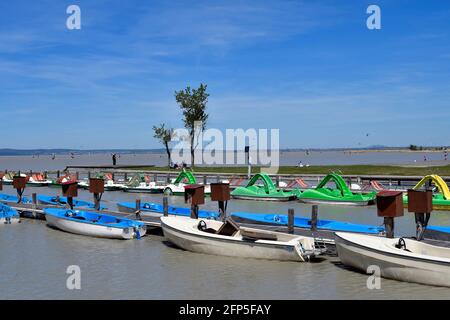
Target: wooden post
point(291, 221)
point(389, 227)
point(166, 206)
point(113, 177)
point(89, 174)
point(70, 202)
point(277, 181)
point(138, 209)
point(194, 211)
point(34, 200)
point(217, 179)
point(155, 178)
point(168, 178)
point(125, 177)
point(58, 174)
point(314, 215)
point(205, 180)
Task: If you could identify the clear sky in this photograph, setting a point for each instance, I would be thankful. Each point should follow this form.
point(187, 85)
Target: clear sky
point(310, 68)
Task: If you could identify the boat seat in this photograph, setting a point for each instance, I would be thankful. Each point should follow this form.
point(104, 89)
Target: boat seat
point(229, 228)
point(256, 235)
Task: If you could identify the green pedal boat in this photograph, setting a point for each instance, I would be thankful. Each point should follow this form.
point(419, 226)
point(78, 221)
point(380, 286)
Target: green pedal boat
point(267, 191)
point(339, 195)
point(441, 199)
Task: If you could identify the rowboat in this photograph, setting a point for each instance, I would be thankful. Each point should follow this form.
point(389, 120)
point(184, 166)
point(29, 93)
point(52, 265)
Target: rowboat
point(62, 201)
point(158, 210)
point(8, 215)
point(94, 224)
point(341, 195)
point(7, 198)
point(267, 191)
point(398, 258)
point(228, 239)
point(304, 223)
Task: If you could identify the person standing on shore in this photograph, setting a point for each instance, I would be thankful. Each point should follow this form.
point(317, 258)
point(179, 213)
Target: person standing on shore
point(445, 155)
point(114, 159)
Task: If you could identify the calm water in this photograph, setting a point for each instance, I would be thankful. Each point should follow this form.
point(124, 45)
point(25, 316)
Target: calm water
point(44, 162)
point(34, 258)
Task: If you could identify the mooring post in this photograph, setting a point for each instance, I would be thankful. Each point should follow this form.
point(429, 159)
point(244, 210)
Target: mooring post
point(291, 220)
point(155, 178)
point(205, 180)
point(389, 227)
point(277, 181)
point(58, 174)
point(125, 177)
point(138, 209)
point(194, 211)
point(166, 206)
point(314, 217)
point(34, 201)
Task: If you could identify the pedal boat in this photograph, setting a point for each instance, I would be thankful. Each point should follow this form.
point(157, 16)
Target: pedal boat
point(341, 195)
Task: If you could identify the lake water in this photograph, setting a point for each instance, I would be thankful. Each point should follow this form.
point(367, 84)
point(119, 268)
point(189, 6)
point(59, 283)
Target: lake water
point(34, 259)
point(45, 162)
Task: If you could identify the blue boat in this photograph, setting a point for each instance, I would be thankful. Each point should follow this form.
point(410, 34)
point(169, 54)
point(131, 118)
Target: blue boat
point(62, 201)
point(441, 233)
point(282, 220)
point(130, 207)
point(6, 198)
point(8, 215)
point(94, 224)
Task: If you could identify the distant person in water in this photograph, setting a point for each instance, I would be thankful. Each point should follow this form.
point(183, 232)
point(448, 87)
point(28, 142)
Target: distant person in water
point(424, 158)
point(53, 156)
point(114, 159)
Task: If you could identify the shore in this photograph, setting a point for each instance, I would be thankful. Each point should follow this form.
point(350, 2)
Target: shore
point(343, 169)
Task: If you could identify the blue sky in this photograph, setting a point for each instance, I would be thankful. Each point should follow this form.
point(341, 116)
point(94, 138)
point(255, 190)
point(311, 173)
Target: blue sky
point(310, 68)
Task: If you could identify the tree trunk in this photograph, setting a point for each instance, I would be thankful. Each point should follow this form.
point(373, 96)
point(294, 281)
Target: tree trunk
point(169, 158)
point(192, 150)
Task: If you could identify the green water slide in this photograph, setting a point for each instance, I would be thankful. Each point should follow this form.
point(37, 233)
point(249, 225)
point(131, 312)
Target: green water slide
point(267, 191)
point(185, 175)
point(341, 194)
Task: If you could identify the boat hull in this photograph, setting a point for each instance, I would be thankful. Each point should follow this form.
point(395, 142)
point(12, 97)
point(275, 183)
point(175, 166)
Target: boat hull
point(396, 267)
point(261, 198)
point(336, 202)
point(91, 229)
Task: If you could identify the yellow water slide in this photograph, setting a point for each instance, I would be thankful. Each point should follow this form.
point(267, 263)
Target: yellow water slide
point(438, 181)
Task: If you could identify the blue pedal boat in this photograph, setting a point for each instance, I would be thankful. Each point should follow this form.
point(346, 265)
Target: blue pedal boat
point(130, 207)
point(62, 201)
point(94, 224)
point(8, 215)
point(305, 223)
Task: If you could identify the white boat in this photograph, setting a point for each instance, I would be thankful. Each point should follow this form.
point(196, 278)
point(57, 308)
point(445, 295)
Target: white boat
point(228, 239)
point(109, 185)
point(143, 187)
point(398, 258)
point(94, 224)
